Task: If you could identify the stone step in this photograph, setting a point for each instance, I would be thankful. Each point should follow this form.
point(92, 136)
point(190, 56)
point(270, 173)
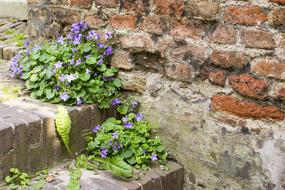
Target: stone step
point(154, 179)
point(14, 9)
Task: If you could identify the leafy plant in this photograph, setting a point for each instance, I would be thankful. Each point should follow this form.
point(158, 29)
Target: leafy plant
point(63, 126)
point(17, 179)
point(74, 183)
point(40, 179)
point(72, 70)
point(120, 144)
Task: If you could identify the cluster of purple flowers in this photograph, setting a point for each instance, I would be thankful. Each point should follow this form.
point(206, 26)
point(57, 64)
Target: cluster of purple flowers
point(64, 96)
point(68, 78)
point(116, 101)
point(16, 67)
point(96, 129)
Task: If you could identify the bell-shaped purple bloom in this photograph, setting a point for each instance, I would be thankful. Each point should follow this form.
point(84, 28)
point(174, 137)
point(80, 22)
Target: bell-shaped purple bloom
point(108, 35)
point(60, 40)
point(78, 62)
point(116, 101)
point(115, 135)
point(57, 88)
point(58, 65)
point(79, 101)
point(76, 39)
point(139, 117)
point(103, 153)
point(153, 157)
point(64, 96)
point(100, 45)
point(71, 62)
point(96, 129)
point(108, 51)
point(100, 62)
point(128, 125)
point(125, 119)
point(88, 72)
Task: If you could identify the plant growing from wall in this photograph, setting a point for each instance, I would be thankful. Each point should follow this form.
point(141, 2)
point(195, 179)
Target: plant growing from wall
point(72, 70)
point(120, 144)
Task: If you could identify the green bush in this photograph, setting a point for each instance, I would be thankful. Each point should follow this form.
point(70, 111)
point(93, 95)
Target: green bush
point(72, 70)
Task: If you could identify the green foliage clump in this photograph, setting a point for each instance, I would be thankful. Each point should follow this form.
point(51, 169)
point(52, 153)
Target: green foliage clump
point(63, 126)
point(17, 179)
point(122, 144)
point(74, 183)
point(72, 70)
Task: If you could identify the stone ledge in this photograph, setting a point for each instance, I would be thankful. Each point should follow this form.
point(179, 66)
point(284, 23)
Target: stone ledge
point(14, 9)
point(28, 137)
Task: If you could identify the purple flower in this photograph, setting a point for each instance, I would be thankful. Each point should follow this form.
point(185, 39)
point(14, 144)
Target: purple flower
point(60, 40)
point(108, 51)
point(78, 62)
point(104, 152)
point(95, 75)
point(110, 142)
point(79, 101)
point(16, 68)
point(108, 35)
point(116, 146)
point(78, 27)
point(100, 45)
point(64, 96)
point(68, 78)
point(100, 62)
point(57, 88)
point(74, 50)
point(27, 43)
point(88, 72)
point(77, 39)
point(128, 125)
point(96, 129)
point(71, 62)
point(37, 47)
point(27, 51)
point(135, 104)
point(116, 101)
point(125, 119)
point(87, 56)
point(92, 36)
point(58, 65)
point(153, 157)
point(139, 117)
point(115, 135)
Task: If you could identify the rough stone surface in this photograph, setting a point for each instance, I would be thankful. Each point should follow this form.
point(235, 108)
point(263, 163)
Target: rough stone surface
point(228, 59)
point(268, 67)
point(133, 81)
point(258, 39)
point(223, 34)
point(179, 71)
point(217, 77)
point(278, 17)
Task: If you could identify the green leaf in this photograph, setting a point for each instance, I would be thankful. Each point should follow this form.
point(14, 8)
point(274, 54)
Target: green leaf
point(123, 109)
point(117, 83)
point(50, 93)
point(39, 185)
point(91, 61)
point(74, 183)
point(34, 78)
point(63, 126)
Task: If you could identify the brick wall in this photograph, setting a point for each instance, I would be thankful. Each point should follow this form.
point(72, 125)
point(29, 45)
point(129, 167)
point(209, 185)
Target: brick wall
point(221, 62)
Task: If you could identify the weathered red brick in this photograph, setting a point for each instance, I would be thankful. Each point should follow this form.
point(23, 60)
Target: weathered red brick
point(136, 6)
point(249, 86)
point(187, 29)
point(282, 2)
point(282, 41)
point(217, 77)
point(108, 3)
point(169, 7)
point(81, 3)
point(258, 39)
point(124, 21)
point(165, 43)
point(137, 41)
point(278, 17)
point(268, 67)
point(151, 24)
point(245, 109)
point(247, 14)
point(223, 34)
point(179, 71)
point(228, 59)
point(94, 21)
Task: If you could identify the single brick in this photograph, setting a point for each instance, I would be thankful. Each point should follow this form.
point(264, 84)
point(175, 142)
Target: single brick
point(207, 10)
point(228, 59)
point(223, 34)
point(190, 53)
point(81, 3)
point(151, 24)
point(137, 42)
point(6, 140)
point(135, 6)
point(278, 17)
point(124, 21)
point(246, 14)
point(169, 7)
point(249, 86)
point(258, 39)
point(245, 109)
point(281, 2)
point(179, 71)
point(268, 67)
point(281, 94)
point(187, 29)
point(94, 21)
point(107, 3)
point(217, 77)
point(121, 59)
